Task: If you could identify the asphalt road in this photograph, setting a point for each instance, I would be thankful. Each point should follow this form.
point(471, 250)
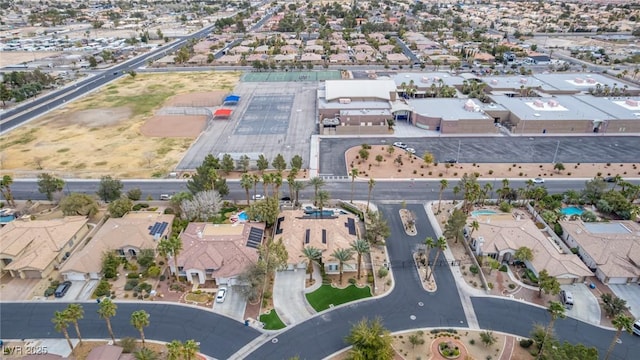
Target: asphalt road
point(218, 335)
point(440, 309)
point(408, 190)
point(570, 149)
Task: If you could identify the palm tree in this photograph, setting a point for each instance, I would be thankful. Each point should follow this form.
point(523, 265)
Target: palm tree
point(246, 183)
point(61, 323)
point(556, 310)
point(312, 254)
point(474, 226)
point(190, 349)
point(370, 340)
point(5, 189)
point(354, 175)
point(276, 180)
point(620, 322)
point(297, 186)
point(360, 246)
point(430, 244)
point(372, 183)
point(256, 180)
point(321, 200)
point(266, 181)
point(342, 255)
point(75, 312)
point(106, 311)
point(174, 350)
point(317, 184)
point(171, 247)
point(140, 320)
point(443, 186)
point(145, 354)
point(440, 246)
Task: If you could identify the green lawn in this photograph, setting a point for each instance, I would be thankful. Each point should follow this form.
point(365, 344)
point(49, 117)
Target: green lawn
point(272, 321)
point(327, 295)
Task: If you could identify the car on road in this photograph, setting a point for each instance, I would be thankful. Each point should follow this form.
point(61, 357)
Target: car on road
point(610, 179)
point(62, 289)
point(538, 180)
point(400, 145)
point(221, 295)
point(285, 198)
point(636, 327)
point(451, 161)
point(257, 197)
point(410, 150)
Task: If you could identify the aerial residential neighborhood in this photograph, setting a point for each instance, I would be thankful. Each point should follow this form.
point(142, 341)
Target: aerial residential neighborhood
point(319, 179)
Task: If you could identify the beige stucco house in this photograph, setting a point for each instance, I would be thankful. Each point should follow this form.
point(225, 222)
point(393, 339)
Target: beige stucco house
point(126, 236)
point(32, 249)
point(500, 235)
point(327, 234)
point(611, 249)
point(219, 252)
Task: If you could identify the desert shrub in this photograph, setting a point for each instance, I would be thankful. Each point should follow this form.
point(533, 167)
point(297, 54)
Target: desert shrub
point(503, 268)
point(512, 286)
point(473, 269)
point(133, 275)
point(128, 345)
point(382, 272)
point(131, 283)
point(526, 343)
point(162, 278)
point(505, 206)
point(370, 278)
point(103, 288)
point(353, 281)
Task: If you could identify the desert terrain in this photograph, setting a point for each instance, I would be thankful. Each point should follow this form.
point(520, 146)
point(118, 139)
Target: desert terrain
point(125, 129)
point(414, 167)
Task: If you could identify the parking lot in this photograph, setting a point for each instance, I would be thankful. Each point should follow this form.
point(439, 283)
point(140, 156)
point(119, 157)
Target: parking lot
point(587, 149)
point(268, 119)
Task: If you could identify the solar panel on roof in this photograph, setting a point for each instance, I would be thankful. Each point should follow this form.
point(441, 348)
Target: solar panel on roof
point(352, 226)
point(255, 237)
point(154, 229)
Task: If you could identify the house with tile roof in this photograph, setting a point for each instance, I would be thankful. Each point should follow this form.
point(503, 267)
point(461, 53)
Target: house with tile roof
point(500, 235)
point(32, 249)
point(219, 252)
point(126, 236)
point(611, 249)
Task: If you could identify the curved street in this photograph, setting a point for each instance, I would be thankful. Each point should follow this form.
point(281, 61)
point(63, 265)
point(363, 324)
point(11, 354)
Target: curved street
point(323, 334)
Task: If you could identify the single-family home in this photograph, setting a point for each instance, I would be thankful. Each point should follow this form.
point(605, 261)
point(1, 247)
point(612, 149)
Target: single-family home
point(500, 235)
point(301, 228)
point(611, 249)
point(219, 252)
point(32, 249)
point(126, 236)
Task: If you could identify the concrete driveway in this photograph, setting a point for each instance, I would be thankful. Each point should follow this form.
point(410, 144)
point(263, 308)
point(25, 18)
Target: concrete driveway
point(586, 307)
point(233, 306)
point(73, 292)
point(630, 293)
point(288, 297)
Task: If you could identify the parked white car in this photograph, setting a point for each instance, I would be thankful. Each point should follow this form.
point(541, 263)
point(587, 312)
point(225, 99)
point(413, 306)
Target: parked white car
point(221, 295)
point(257, 197)
point(538, 181)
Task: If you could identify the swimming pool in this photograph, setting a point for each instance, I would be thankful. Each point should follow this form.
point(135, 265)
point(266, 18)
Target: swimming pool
point(483, 212)
point(7, 219)
point(318, 213)
point(572, 210)
point(242, 216)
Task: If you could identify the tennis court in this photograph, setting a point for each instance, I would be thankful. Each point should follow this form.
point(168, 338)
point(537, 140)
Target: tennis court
point(288, 76)
point(266, 114)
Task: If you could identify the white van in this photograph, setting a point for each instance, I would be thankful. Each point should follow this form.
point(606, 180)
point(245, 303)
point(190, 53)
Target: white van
point(567, 299)
point(636, 327)
point(165, 197)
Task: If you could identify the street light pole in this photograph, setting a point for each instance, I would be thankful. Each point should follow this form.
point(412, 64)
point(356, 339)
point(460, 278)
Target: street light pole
point(555, 155)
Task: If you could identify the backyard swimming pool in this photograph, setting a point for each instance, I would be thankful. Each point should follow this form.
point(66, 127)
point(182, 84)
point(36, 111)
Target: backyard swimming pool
point(572, 210)
point(483, 212)
point(318, 213)
point(242, 216)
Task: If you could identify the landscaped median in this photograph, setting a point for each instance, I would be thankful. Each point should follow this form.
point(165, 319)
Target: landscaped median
point(272, 321)
point(327, 295)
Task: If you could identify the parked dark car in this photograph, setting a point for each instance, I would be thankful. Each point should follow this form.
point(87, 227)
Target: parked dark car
point(610, 179)
point(451, 161)
point(62, 289)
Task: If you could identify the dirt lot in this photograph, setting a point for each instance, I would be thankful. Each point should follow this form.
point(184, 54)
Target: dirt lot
point(101, 133)
point(413, 166)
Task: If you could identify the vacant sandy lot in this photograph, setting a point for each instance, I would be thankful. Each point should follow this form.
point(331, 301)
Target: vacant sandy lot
point(413, 167)
point(101, 133)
